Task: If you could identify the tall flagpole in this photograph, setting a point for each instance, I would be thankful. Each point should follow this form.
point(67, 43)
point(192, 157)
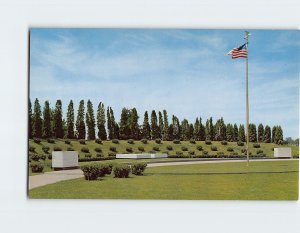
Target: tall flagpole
point(247, 101)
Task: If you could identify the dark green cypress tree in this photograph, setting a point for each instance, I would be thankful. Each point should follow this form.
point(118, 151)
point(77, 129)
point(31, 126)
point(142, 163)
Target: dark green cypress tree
point(185, 130)
point(80, 125)
point(134, 124)
point(202, 135)
point(260, 133)
point(242, 136)
point(90, 121)
point(37, 128)
point(170, 132)
point(166, 135)
point(208, 135)
point(176, 128)
point(154, 126)
point(116, 131)
point(197, 130)
point(252, 133)
point(278, 135)
point(160, 124)
point(114, 125)
point(267, 134)
point(101, 122)
point(30, 116)
point(57, 118)
point(211, 128)
point(109, 126)
point(274, 128)
point(47, 129)
point(146, 127)
point(235, 133)
point(70, 121)
point(191, 132)
point(229, 132)
point(125, 132)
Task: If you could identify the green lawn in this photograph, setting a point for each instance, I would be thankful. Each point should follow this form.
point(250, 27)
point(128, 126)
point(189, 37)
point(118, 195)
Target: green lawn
point(270, 180)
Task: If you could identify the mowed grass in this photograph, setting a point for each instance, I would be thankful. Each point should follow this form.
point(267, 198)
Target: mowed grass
point(269, 180)
point(123, 144)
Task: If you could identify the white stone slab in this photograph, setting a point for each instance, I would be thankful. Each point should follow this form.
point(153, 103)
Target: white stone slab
point(64, 159)
point(283, 152)
point(141, 156)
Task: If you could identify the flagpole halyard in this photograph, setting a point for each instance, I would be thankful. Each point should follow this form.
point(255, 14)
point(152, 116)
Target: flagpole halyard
point(247, 99)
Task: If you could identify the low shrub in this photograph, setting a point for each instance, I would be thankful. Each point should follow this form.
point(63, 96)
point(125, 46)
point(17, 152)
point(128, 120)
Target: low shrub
point(256, 145)
point(259, 152)
point(239, 143)
point(82, 141)
point(272, 148)
point(158, 141)
point(145, 141)
point(98, 141)
point(140, 148)
point(31, 149)
point(115, 141)
point(129, 149)
point(50, 140)
point(99, 155)
point(205, 152)
point(235, 153)
point(176, 141)
point(199, 148)
point(220, 154)
point(121, 171)
point(68, 142)
point(37, 140)
point(97, 149)
point(111, 154)
point(46, 149)
point(87, 155)
point(34, 157)
point(155, 148)
point(49, 156)
point(192, 141)
point(169, 147)
point(85, 150)
point(130, 141)
point(214, 148)
point(43, 157)
point(184, 148)
point(230, 149)
point(70, 149)
point(191, 152)
point(179, 153)
point(224, 143)
point(113, 149)
point(138, 168)
point(57, 148)
point(37, 167)
point(91, 171)
point(243, 150)
point(208, 142)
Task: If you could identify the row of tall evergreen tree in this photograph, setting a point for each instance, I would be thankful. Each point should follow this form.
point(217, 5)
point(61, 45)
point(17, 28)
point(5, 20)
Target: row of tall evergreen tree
point(50, 123)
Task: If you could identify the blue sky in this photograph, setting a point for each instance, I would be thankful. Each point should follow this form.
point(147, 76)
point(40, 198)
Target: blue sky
point(185, 72)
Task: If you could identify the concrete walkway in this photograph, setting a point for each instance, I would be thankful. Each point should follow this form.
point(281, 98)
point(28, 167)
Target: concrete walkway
point(56, 176)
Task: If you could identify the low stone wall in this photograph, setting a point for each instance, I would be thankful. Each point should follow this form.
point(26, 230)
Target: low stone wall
point(64, 159)
point(141, 156)
point(284, 152)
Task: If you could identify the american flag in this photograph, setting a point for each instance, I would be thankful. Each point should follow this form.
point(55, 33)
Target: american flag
point(239, 52)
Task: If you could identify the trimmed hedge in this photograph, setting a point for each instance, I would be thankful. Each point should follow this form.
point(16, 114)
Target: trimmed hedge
point(46, 149)
point(113, 149)
point(96, 170)
point(129, 149)
point(88, 156)
point(85, 150)
point(138, 168)
point(158, 141)
point(230, 149)
point(82, 141)
point(97, 149)
point(34, 157)
point(169, 147)
point(145, 141)
point(140, 148)
point(31, 149)
point(121, 171)
point(191, 152)
point(57, 148)
point(130, 141)
point(115, 141)
point(256, 145)
point(50, 140)
point(37, 140)
point(68, 142)
point(199, 148)
point(99, 155)
point(98, 141)
point(176, 141)
point(192, 141)
point(155, 148)
point(208, 142)
point(214, 148)
point(184, 148)
point(112, 154)
point(224, 143)
point(37, 167)
point(239, 143)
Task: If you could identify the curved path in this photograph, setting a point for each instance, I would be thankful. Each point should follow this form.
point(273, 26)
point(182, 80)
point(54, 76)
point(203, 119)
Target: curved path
point(56, 176)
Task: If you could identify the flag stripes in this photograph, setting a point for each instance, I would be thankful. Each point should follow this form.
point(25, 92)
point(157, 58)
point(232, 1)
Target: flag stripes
point(236, 53)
